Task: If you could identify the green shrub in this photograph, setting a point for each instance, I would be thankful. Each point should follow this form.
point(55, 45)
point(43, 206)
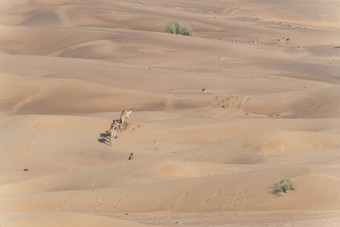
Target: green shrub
point(283, 186)
point(177, 27)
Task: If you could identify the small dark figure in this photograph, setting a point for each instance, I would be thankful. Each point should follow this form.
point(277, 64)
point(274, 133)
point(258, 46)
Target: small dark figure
point(131, 156)
point(203, 89)
point(25, 170)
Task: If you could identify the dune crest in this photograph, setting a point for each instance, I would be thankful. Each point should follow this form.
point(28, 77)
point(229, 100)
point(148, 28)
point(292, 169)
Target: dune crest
point(219, 117)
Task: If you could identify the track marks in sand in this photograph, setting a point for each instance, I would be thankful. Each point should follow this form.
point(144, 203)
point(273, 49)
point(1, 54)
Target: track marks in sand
point(223, 101)
point(60, 204)
point(97, 204)
point(244, 100)
point(169, 104)
point(118, 201)
point(230, 104)
point(180, 202)
point(205, 204)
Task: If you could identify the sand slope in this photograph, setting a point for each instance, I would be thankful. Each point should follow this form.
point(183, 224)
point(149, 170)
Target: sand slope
point(270, 109)
point(60, 219)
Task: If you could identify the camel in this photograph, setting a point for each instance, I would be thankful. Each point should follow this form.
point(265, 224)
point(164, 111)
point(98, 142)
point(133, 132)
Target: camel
point(124, 117)
point(115, 124)
point(114, 130)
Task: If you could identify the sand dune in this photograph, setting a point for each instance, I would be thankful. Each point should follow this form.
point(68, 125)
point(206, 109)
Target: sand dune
point(257, 148)
point(310, 103)
point(220, 117)
point(60, 219)
point(251, 191)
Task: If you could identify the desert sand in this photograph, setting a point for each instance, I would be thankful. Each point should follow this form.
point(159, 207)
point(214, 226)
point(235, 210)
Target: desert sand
point(220, 117)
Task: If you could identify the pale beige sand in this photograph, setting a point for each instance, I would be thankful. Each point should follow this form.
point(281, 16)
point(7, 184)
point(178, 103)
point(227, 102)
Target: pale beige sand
point(37, 219)
point(271, 110)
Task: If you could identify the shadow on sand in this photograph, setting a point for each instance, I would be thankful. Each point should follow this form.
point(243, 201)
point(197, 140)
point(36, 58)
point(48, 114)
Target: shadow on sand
point(104, 138)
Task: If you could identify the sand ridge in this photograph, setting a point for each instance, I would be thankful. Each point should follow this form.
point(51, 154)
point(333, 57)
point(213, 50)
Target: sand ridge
point(220, 117)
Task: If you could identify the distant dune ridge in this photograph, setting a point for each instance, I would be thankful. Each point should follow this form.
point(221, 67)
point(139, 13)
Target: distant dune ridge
point(251, 98)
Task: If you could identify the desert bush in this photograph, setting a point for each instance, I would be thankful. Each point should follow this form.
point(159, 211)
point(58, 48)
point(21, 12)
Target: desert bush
point(283, 186)
point(177, 27)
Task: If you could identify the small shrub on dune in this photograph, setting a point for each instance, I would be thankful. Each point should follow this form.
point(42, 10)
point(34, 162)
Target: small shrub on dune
point(283, 186)
point(170, 27)
point(177, 27)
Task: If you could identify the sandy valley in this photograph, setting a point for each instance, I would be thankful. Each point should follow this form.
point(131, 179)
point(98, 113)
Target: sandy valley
point(251, 98)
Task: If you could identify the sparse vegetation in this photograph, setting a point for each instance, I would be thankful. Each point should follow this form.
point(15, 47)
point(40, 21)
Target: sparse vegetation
point(177, 27)
point(283, 186)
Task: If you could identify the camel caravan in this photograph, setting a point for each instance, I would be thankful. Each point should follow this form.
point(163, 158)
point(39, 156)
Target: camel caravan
point(117, 125)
